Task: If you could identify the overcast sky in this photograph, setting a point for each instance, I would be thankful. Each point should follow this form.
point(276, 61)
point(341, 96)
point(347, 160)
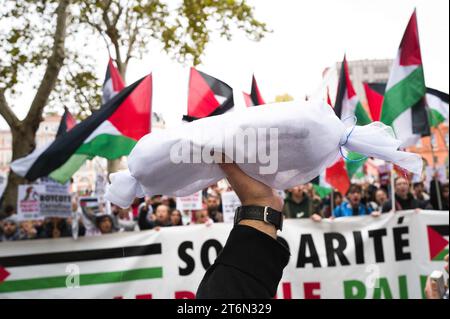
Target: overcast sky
point(307, 37)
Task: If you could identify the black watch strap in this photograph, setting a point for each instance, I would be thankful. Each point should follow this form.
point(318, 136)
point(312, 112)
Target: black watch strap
point(262, 213)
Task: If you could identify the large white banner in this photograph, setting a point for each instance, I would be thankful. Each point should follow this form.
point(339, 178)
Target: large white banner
point(355, 257)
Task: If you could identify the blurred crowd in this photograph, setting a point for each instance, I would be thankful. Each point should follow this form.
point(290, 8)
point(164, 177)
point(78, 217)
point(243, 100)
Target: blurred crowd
point(159, 211)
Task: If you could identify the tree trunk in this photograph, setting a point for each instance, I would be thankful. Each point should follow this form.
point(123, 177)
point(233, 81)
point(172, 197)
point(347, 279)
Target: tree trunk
point(22, 144)
point(114, 165)
point(24, 132)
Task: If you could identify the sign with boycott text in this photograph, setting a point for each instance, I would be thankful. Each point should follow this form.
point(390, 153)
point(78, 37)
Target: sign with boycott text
point(345, 258)
point(55, 199)
point(47, 198)
point(191, 202)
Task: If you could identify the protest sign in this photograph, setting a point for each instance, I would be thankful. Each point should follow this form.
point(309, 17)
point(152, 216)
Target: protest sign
point(100, 184)
point(230, 201)
point(28, 201)
point(55, 198)
point(191, 202)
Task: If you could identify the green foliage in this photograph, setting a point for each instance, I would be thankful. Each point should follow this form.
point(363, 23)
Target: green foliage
point(183, 29)
point(129, 28)
point(25, 40)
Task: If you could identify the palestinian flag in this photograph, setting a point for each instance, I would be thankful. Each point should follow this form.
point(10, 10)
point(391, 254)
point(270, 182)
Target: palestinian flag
point(65, 172)
point(374, 95)
point(404, 103)
point(437, 103)
point(208, 96)
point(112, 85)
point(346, 107)
point(336, 175)
point(438, 241)
point(321, 187)
point(347, 104)
point(111, 132)
point(254, 98)
point(329, 98)
point(67, 122)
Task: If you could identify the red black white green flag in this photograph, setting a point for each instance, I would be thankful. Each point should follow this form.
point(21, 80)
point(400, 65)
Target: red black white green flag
point(374, 95)
point(438, 241)
point(347, 104)
point(113, 83)
point(67, 122)
point(437, 102)
point(207, 96)
point(404, 107)
point(254, 98)
point(111, 132)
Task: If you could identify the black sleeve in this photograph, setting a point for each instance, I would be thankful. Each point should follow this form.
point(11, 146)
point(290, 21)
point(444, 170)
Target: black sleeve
point(143, 222)
point(250, 266)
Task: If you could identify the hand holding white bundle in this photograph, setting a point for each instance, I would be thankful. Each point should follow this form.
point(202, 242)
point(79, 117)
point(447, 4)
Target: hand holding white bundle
point(309, 139)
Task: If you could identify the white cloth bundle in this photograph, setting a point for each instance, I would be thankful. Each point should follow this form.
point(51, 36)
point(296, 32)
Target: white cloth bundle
point(308, 140)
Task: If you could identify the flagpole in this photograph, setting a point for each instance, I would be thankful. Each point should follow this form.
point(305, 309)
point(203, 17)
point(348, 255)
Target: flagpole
point(332, 202)
point(393, 189)
point(442, 137)
point(438, 188)
point(437, 128)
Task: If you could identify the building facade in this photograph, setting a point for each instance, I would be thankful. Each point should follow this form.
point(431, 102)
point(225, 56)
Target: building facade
point(366, 71)
point(434, 148)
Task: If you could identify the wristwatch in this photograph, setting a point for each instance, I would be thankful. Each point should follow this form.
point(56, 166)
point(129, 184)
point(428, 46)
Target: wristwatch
point(262, 213)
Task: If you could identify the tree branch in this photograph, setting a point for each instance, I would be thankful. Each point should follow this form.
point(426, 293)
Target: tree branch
point(112, 33)
point(119, 13)
point(6, 112)
point(100, 31)
point(54, 64)
point(80, 92)
point(131, 41)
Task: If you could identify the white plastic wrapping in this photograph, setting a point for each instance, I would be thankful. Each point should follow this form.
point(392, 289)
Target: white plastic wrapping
point(309, 138)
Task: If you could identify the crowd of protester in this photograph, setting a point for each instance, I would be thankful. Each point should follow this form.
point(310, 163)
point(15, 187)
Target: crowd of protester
point(159, 211)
